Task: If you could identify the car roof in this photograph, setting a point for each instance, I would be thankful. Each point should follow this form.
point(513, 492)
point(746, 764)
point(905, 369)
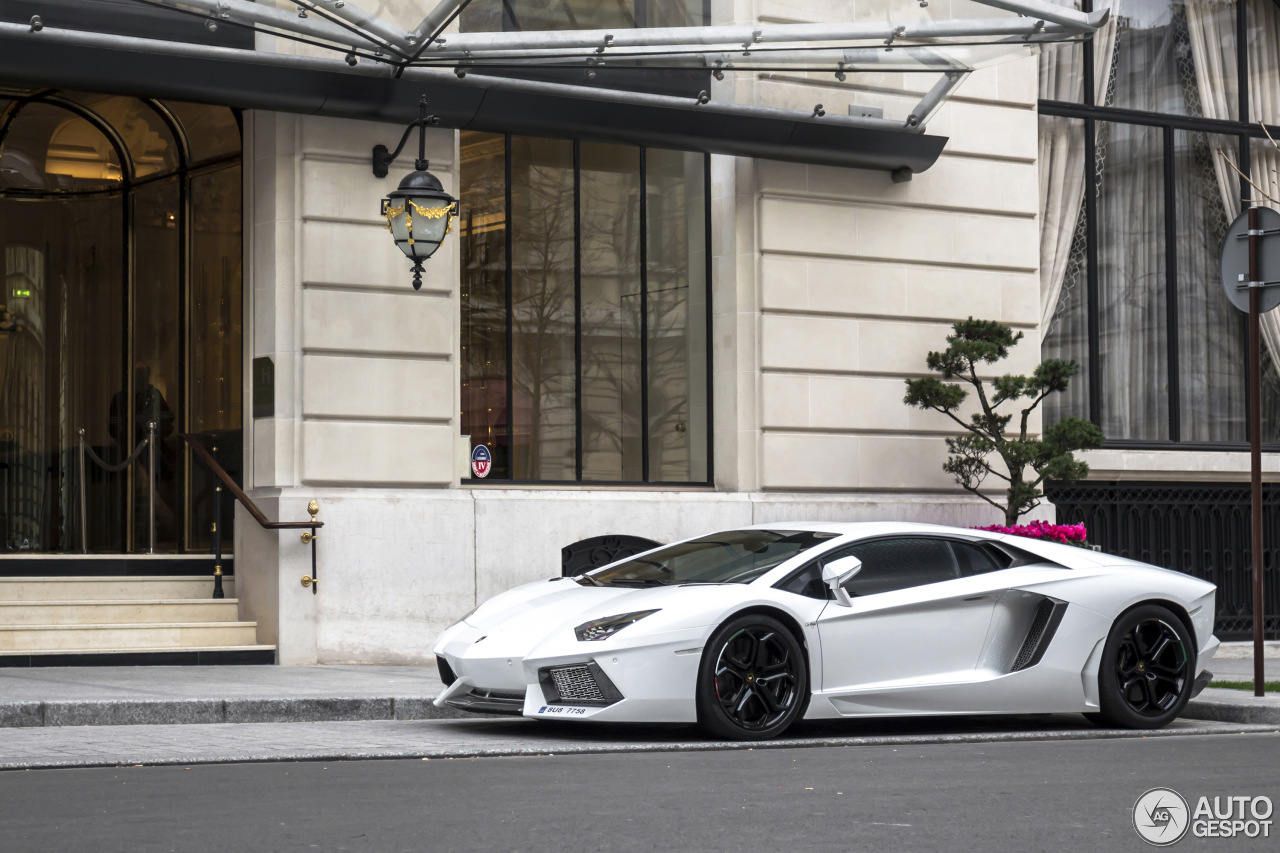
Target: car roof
point(871, 528)
point(1065, 555)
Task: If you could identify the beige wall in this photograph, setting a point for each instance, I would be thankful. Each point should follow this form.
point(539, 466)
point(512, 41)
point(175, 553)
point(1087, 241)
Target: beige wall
point(832, 284)
point(366, 371)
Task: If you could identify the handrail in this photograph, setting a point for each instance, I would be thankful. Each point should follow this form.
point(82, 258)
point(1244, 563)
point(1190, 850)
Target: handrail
point(259, 516)
point(238, 493)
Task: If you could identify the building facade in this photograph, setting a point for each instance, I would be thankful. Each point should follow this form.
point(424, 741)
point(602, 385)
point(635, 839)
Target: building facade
point(648, 340)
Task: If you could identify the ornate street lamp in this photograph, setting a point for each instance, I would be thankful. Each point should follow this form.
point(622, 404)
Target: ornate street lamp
point(419, 212)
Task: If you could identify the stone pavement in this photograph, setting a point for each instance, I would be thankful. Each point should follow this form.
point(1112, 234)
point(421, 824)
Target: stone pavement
point(1241, 669)
point(96, 696)
point(96, 746)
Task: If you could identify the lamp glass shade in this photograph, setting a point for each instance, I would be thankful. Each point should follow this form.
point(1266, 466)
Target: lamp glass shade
point(419, 214)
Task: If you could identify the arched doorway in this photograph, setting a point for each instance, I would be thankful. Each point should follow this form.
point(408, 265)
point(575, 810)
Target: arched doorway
point(120, 226)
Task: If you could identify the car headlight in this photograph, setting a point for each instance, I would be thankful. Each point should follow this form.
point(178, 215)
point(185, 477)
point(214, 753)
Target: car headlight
point(603, 629)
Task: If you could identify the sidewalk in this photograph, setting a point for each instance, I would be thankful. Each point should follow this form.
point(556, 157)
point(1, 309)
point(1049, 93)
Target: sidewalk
point(112, 746)
point(115, 696)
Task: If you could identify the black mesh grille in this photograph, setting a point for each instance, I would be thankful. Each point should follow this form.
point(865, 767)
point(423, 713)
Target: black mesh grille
point(576, 683)
point(1028, 651)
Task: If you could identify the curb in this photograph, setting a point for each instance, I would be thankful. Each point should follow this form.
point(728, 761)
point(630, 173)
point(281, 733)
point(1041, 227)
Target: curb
point(114, 712)
point(1234, 706)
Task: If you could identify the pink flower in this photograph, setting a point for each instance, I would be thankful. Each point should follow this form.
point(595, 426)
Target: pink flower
point(1066, 534)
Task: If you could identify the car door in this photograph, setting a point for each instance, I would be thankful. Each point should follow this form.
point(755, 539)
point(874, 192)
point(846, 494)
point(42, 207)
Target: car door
point(921, 608)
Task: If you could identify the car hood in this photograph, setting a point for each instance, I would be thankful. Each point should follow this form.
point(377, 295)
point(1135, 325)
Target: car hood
point(537, 611)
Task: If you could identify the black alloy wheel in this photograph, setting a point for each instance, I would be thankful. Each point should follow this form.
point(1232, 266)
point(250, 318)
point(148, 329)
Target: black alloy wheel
point(753, 680)
point(1148, 667)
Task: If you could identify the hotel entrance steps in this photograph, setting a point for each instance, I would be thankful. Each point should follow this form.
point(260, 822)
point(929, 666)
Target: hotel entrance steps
point(103, 620)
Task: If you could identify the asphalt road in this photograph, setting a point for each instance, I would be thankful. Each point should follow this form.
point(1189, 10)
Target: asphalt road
point(1010, 796)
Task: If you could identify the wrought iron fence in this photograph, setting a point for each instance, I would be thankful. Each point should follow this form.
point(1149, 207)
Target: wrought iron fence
point(1201, 529)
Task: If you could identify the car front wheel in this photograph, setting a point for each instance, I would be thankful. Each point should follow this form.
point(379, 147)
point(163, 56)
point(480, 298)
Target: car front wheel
point(752, 681)
point(1148, 668)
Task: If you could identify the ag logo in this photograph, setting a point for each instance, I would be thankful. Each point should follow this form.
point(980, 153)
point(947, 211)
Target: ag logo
point(1161, 817)
point(481, 461)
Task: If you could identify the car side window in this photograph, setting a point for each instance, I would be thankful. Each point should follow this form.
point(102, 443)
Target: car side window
point(891, 564)
point(975, 559)
point(807, 582)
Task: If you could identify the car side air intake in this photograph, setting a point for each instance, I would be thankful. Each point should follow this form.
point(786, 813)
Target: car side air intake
point(1043, 625)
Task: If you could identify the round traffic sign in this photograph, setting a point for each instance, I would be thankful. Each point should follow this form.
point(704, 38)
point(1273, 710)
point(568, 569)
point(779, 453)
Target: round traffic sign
point(1234, 260)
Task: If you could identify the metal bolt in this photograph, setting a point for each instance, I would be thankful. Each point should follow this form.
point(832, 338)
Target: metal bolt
point(704, 97)
point(36, 24)
point(351, 59)
point(211, 26)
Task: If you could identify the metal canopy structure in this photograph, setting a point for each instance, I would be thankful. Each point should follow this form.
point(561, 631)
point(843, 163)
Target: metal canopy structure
point(497, 81)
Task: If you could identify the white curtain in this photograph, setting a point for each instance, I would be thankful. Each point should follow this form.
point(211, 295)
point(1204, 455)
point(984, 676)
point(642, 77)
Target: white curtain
point(1212, 26)
point(1062, 158)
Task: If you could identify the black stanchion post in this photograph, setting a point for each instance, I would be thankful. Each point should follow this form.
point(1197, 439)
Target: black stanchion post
point(217, 540)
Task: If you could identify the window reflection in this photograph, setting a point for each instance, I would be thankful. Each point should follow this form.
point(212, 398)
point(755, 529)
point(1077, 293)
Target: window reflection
point(1211, 333)
point(148, 139)
point(49, 149)
point(1131, 282)
point(542, 211)
point(611, 402)
point(676, 297)
point(482, 236)
point(1175, 57)
point(216, 350)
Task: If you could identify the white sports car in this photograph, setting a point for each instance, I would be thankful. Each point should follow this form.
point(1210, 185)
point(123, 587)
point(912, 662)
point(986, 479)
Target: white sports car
point(748, 630)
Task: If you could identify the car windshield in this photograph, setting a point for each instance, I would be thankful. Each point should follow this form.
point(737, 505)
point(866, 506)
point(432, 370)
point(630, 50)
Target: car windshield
point(736, 556)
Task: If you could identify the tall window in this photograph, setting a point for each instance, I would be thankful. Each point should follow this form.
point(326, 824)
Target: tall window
point(120, 223)
point(1141, 132)
point(585, 310)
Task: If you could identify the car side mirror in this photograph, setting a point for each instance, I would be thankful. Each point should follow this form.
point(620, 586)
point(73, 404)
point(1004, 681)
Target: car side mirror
point(837, 573)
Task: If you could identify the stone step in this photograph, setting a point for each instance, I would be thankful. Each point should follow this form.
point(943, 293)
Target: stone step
point(132, 588)
point(37, 639)
point(188, 656)
point(117, 611)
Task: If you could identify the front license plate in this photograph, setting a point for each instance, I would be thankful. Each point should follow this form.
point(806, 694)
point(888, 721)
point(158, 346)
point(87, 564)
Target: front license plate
point(562, 711)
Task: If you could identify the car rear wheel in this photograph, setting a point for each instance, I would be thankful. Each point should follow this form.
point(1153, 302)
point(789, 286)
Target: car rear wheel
point(1148, 668)
point(753, 680)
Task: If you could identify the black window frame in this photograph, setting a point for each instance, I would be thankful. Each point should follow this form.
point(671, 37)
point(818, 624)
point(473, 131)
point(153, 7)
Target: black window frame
point(1091, 113)
point(577, 332)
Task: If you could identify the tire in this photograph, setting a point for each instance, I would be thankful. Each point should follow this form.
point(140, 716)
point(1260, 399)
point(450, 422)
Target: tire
point(1147, 671)
point(753, 681)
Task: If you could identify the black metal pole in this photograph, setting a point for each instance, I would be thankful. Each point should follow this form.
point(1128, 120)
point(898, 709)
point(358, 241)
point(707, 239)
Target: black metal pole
point(315, 582)
point(1255, 447)
point(217, 540)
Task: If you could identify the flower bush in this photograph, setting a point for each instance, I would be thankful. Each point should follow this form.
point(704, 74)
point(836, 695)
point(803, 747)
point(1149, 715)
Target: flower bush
point(1067, 534)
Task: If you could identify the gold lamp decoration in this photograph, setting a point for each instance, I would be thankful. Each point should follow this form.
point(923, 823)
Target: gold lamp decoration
point(419, 213)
